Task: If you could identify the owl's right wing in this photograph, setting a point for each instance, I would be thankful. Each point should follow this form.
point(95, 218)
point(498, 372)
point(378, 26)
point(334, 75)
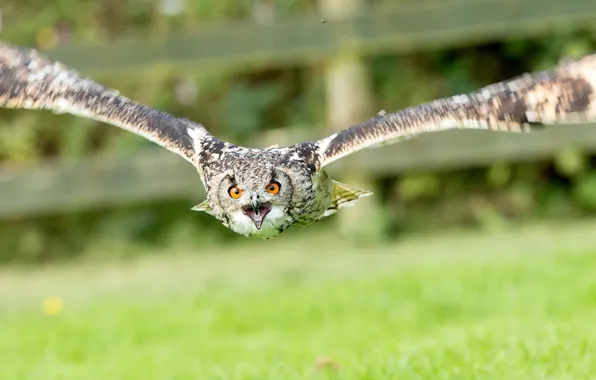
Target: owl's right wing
point(563, 95)
point(29, 80)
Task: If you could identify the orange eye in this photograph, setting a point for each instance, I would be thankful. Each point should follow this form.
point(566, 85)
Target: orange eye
point(235, 192)
point(273, 188)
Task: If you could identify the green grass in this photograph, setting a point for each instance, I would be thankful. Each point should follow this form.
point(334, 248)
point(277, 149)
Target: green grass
point(509, 305)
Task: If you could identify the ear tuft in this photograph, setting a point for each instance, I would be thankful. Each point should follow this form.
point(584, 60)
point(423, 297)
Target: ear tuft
point(203, 206)
point(344, 196)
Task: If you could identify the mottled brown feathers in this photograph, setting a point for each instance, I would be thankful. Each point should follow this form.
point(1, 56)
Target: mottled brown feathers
point(28, 80)
point(563, 95)
point(306, 193)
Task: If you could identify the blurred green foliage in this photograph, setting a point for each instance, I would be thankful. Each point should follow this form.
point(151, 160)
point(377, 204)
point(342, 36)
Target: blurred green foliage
point(238, 105)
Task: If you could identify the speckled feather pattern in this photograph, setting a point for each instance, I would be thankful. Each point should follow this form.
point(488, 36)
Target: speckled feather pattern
point(563, 95)
point(311, 188)
point(31, 81)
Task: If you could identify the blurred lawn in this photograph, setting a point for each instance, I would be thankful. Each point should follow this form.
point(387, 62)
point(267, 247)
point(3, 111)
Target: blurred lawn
point(508, 305)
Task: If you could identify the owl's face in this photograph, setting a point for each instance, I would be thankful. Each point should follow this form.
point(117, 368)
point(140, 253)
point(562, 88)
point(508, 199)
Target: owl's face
point(253, 200)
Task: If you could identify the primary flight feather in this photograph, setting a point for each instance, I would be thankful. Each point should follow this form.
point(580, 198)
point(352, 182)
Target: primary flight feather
point(262, 192)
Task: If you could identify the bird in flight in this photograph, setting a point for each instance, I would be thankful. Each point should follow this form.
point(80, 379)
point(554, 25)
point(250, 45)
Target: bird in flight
point(262, 192)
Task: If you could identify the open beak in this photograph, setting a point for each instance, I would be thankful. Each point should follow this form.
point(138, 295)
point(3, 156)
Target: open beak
point(257, 212)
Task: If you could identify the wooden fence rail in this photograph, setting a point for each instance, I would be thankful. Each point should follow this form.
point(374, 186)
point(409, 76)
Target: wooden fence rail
point(397, 28)
point(104, 181)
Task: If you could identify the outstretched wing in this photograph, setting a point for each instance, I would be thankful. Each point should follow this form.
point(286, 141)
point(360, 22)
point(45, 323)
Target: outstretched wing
point(563, 95)
point(29, 80)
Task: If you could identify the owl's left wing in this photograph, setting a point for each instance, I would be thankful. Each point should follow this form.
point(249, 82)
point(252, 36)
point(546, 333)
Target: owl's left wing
point(563, 95)
point(29, 80)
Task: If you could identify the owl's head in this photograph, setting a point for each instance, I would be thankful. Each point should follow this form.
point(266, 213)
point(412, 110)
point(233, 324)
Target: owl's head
point(252, 198)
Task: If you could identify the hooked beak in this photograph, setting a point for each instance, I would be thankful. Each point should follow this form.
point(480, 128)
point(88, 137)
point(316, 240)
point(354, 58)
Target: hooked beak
point(257, 212)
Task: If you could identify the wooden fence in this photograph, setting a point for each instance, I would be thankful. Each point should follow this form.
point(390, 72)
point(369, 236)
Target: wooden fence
point(398, 28)
point(95, 182)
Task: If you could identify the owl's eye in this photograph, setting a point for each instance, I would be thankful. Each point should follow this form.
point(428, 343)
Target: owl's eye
point(235, 192)
point(273, 188)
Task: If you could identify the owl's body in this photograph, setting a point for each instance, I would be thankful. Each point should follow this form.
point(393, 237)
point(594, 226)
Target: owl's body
point(306, 193)
point(262, 192)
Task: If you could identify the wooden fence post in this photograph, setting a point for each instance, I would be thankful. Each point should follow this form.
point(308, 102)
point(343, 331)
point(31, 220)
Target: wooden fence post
point(349, 101)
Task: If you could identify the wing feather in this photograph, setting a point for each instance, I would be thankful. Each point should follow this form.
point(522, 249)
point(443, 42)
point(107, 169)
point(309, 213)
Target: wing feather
point(563, 95)
point(29, 80)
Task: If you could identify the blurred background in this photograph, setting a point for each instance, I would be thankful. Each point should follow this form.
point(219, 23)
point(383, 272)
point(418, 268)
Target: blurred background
point(261, 72)
point(379, 289)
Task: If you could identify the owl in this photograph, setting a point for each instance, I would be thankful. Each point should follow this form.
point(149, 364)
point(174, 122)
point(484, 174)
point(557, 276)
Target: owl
point(262, 192)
